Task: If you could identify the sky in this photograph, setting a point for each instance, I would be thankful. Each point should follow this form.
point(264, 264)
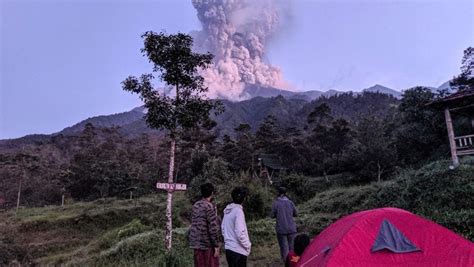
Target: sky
point(62, 61)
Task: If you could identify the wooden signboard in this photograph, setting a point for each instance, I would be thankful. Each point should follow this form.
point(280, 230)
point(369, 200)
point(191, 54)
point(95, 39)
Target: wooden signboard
point(171, 186)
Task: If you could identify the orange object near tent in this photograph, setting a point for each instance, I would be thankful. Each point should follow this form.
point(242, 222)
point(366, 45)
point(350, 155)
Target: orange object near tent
point(387, 237)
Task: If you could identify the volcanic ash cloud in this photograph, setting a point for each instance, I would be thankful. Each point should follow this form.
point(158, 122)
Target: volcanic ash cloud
point(236, 32)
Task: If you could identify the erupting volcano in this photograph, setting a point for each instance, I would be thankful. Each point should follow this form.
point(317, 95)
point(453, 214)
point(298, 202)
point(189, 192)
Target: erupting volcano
point(236, 32)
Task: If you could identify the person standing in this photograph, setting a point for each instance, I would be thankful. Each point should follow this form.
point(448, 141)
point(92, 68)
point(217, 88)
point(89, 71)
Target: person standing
point(234, 229)
point(284, 210)
point(204, 231)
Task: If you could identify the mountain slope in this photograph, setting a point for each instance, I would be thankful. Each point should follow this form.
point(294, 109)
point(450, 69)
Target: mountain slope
point(384, 90)
point(119, 119)
point(290, 111)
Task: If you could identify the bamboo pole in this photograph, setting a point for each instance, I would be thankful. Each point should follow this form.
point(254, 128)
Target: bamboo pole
point(452, 143)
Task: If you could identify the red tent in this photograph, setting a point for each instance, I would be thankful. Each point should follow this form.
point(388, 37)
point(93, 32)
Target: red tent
point(387, 237)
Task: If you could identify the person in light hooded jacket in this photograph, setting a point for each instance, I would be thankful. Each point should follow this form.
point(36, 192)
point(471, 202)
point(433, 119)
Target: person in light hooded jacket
point(234, 229)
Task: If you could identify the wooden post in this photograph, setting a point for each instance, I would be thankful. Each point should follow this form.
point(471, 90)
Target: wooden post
point(169, 200)
point(62, 200)
point(18, 197)
point(452, 143)
point(21, 180)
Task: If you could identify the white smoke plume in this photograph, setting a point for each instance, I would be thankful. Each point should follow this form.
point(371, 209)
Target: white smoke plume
point(236, 32)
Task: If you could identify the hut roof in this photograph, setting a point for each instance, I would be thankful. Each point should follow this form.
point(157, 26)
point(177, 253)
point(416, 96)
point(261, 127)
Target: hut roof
point(271, 161)
point(458, 99)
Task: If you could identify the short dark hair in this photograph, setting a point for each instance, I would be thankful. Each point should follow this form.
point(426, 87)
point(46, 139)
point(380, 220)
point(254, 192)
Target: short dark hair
point(206, 190)
point(281, 190)
point(301, 242)
point(239, 194)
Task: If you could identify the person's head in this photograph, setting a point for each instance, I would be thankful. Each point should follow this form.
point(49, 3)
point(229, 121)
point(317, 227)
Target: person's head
point(300, 243)
point(207, 190)
point(239, 194)
point(281, 190)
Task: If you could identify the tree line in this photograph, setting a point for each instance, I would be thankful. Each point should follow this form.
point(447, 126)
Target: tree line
point(100, 162)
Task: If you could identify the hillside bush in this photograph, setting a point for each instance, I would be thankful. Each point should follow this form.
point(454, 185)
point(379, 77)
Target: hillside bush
point(145, 249)
point(433, 191)
point(302, 188)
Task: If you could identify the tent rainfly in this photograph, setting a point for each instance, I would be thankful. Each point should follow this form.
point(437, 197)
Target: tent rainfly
point(387, 237)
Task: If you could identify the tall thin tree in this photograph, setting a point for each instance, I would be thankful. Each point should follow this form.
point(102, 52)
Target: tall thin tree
point(177, 66)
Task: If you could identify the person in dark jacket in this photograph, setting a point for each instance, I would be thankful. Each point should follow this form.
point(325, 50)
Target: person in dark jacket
point(204, 231)
point(284, 210)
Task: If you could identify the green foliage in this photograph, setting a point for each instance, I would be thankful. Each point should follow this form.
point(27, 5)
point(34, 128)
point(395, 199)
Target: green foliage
point(342, 200)
point(301, 188)
point(448, 189)
point(11, 253)
point(172, 57)
point(113, 232)
point(239, 153)
point(261, 231)
point(259, 200)
point(145, 249)
point(215, 171)
point(465, 80)
point(99, 168)
point(458, 220)
point(111, 237)
point(374, 149)
point(433, 191)
point(315, 223)
point(420, 130)
point(266, 136)
point(321, 115)
point(132, 228)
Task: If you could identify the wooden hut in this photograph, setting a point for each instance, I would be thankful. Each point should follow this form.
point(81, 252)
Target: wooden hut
point(269, 164)
point(461, 103)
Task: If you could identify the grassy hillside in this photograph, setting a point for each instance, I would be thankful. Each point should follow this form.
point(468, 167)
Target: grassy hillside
point(114, 232)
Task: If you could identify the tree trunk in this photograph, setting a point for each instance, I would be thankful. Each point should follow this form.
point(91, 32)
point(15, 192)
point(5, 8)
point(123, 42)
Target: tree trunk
point(18, 198)
point(169, 200)
point(379, 172)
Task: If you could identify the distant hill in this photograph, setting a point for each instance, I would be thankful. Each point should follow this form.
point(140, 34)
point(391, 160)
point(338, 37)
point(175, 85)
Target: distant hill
point(384, 90)
point(445, 86)
point(120, 119)
point(289, 112)
point(252, 91)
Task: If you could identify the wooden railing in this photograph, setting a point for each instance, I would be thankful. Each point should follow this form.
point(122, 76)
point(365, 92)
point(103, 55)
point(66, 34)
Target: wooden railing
point(465, 144)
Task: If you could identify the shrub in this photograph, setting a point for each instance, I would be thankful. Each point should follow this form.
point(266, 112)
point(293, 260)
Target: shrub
point(460, 221)
point(302, 188)
point(432, 191)
point(145, 249)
